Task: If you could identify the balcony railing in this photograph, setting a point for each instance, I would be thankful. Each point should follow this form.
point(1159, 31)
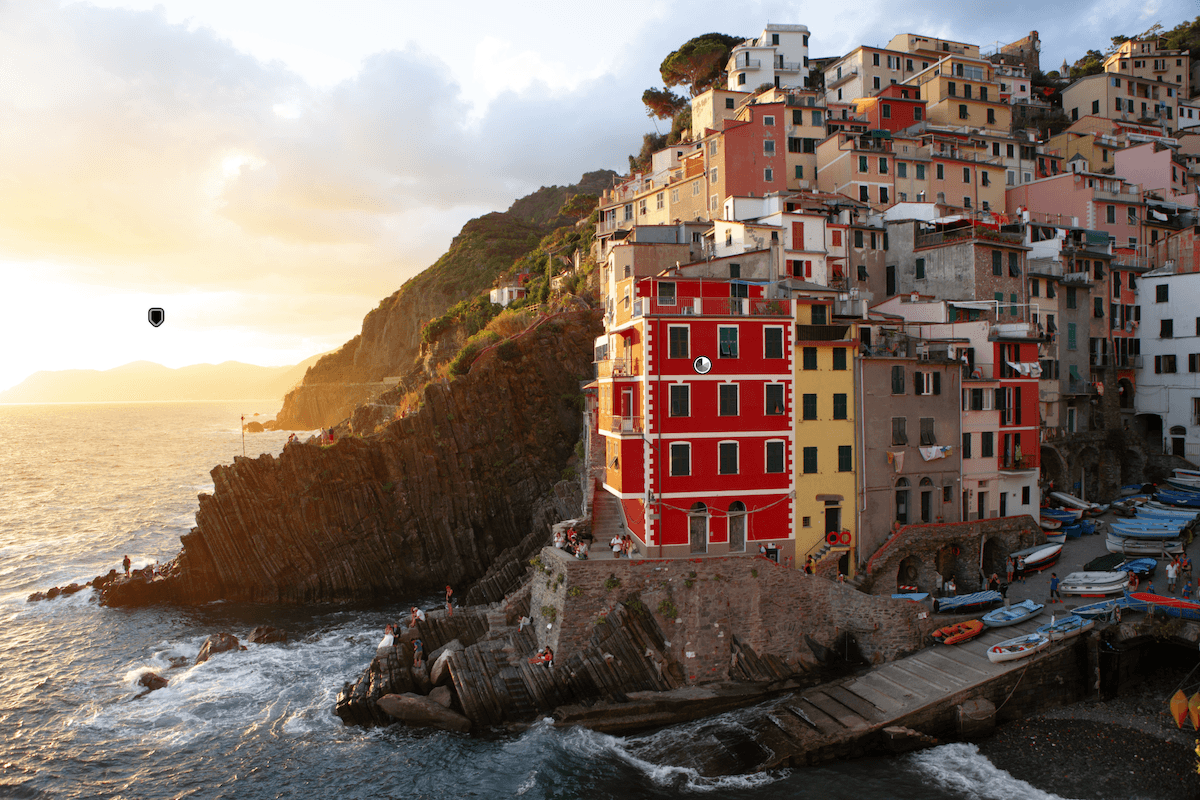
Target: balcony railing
point(1011, 462)
point(747, 63)
point(966, 235)
point(1079, 387)
point(626, 425)
point(845, 76)
point(789, 66)
point(616, 367)
point(712, 306)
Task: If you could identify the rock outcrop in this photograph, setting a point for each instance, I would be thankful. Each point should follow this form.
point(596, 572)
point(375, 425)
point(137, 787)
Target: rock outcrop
point(432, 499)
point(217, 643)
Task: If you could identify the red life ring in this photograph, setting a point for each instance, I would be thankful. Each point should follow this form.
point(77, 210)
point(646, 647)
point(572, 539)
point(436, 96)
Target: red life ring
point(845, 537)
point(832, 537)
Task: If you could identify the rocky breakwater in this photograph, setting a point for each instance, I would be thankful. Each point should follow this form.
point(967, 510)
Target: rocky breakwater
point(431, 499)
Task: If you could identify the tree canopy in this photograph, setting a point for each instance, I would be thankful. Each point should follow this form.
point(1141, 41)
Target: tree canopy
point(699, 62)
point(663, 103)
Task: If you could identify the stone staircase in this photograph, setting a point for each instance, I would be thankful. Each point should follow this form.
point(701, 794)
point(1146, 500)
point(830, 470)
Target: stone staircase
point(607, 518)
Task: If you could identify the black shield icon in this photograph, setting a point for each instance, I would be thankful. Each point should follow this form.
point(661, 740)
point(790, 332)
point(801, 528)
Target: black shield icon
point(156, 316)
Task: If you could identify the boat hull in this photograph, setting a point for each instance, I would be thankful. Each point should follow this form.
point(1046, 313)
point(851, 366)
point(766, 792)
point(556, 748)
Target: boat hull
point(1171, 606)
point(1020, 647)
point(1143, 547)
point(1094, 584)
point(1017, 612)
point(1065, 628)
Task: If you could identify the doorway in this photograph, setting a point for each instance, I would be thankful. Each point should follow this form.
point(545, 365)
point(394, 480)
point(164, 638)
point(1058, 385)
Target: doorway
point(982, 497)
point(902, 501)
point(1004, 504)
point(737, 527)
point(698, 528)
point(833, 521)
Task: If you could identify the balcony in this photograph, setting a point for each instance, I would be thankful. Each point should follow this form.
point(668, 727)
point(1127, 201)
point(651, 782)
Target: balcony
point(966, 234)
point(823, 333)
point(711, 306)
point(845, 76)
point(1010, 463)
point(626, 425)
point(788, 66)
point(747, 63)
point(1078, 387)
point(617, 368)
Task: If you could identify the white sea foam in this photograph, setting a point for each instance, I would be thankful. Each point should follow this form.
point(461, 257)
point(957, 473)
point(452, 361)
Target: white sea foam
point(592, 744)
point(961, 768)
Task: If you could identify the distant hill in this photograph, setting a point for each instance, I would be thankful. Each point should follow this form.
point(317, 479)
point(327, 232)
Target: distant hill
point(144, 380)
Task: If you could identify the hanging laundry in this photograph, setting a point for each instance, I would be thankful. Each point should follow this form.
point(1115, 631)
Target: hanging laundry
point(896, 460)
point(932, 453)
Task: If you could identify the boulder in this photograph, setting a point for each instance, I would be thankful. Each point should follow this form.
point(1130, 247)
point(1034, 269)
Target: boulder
point(72, 589)
point(265, 634)
point(442, 696)
point(217, 643)
point(423, 712)
point(35, 597)
point(453, 644)
point(152, 680)
point(254, 427)
point(420, 673)
point(178, 661)
point(439, 665)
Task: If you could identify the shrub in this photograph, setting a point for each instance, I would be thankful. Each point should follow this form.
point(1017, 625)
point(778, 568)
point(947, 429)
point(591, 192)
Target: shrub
point(667, 609)
point(611, 582)
point(510, 322)
point(462, 362)
point(508, 350)
point(549, 613)
point(574, 591)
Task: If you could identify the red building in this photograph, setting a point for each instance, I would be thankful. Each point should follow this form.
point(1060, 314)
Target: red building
point(893, 108)
point(1017, 368)
point(695, 403)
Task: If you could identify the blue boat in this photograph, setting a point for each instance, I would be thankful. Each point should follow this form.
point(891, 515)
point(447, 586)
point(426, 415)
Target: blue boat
point(1110, 609)
point(1065, 628)
point(1181, 515)
point(1072, 531)
point(1129, 528)
point(916, 597)
point(1060, 514)
point(964, 602)
point(1185, 500)
point(1017, 612)
point(1171, 606)
point(1142, 567)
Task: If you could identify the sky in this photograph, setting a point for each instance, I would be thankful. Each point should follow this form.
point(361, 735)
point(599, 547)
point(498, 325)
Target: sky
point(266, 171)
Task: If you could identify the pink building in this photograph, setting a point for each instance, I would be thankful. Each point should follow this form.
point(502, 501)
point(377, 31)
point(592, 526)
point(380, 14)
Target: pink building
point(1083, 200)
point(1156, 168)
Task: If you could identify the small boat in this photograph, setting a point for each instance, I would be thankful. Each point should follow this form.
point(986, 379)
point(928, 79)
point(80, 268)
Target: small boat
point(916, 597)
point(1020, 647)
point(1143, 547)
point(959, 632)
point(1181, 499)
point(1184, 484)
point(1179, 707)
point(1065, 628)
point(1050, 523)
point(1094, 584)
point(965, 601)
point(1142, 567)
point(1064, 515)
point(1126, 529)
point(1171, 606)
point(1181, 515)
point(1056, 538)
point(1110, 609)
point(1189, 473)
point(1038, 557)
point(1072, 501)
point(1017, 612)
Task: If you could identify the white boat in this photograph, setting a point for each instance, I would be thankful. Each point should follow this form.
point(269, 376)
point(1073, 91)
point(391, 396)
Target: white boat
point(1143, 547)
point(1056, 538)
point(1180, 472)
point(1094, 584)
point(1032, 559)
point(1074, 502)
point(1065, 628)
point(1020, 647)
point(1050, 524)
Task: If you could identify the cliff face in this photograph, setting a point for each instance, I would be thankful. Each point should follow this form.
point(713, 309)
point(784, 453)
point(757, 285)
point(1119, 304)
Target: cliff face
point(431, 499)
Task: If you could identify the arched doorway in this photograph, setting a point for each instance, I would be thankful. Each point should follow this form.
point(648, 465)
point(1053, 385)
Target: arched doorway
point(1178, 434)
point(1086, 478)
point(926, 500)
point(947, 562)
point(737, 527)
point(1125, 392)
point(994, 553)
point(698, 528)
point(902, 493)
point(1054, 468)
point(908, 574)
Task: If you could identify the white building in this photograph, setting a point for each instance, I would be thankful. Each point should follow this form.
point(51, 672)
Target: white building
point(1168, 384)
point(1188, 112)
point(778, 57)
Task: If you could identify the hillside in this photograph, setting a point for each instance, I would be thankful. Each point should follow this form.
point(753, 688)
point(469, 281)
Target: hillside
point(390, 340)
point(147, 381)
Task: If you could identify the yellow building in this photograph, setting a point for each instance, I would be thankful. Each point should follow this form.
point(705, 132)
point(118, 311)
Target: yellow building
point(961, 91)
point(826, 464)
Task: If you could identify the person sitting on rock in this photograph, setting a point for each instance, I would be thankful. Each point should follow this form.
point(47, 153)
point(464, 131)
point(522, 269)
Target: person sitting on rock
point(417, 616)
point(581, 551)
point(994, 583)
point(559, 540)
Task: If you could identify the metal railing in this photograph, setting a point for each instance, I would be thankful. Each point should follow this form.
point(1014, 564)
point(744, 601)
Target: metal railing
point(620, 424)
point(616, 367)
point(713, 306)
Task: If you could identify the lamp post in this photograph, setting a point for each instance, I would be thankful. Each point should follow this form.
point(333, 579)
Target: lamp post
point(243, 435)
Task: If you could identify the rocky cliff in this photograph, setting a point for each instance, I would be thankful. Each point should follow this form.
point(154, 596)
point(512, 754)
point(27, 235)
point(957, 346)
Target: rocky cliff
point(390, 340)
point(431, 499)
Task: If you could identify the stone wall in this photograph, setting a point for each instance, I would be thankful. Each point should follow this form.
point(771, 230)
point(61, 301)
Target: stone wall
point(703, 605)
point(953, 549)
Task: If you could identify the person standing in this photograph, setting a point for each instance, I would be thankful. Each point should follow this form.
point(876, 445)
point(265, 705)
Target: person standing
point(1010, 567)
point(126, 564)
point(1172, 572)
point(1055, 597)
point(951, 588)
point(449, 607)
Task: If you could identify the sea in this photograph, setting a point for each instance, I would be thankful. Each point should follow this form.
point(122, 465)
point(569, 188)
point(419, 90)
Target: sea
point(82, 485)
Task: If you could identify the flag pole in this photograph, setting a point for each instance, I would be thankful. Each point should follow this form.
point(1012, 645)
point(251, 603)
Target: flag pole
point(243, 435)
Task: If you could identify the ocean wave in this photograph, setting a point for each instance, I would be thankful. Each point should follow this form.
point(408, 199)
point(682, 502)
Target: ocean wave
point(962, 769)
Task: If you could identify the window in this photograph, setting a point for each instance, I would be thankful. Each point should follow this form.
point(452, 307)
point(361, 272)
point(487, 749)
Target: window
point(729, 102)
point(941, 172)
point(1164, 364)
point(987, 444)
point(864, 194)
point(820, 314)
point(887, 111)
point(997, 262)
point(810, 358)
point(769, 120)
point(918, 113)
point(897, 379)
point(1035, 288)
point(775, 461)
point(660, 200)
point(966, 445)
point(727, 394)
point(899, 434)
point(773, 392)
point(677, 335)
point(839, 354)
point(839, 406)
point(967, 90)
point(1014, 265)
point(985, 179)
point(901, 169)
point(728, 338)
point(681, 458)
point(768, 175)
point(727, 456)
point(920, 269)
point(741, 79)
point(666, 293)
point(1132, 215)
point(963, 111)
point(928, 437)
point(1166, 328)
point(875, 82)
point(810, 460)
point(883, 167)
point(920, 172)
point(772, 342)
point(1024, 495)
point(966, 174)
point(858, 238)
point(816, 120)
point(768, 147)
point(713, 174)
point(1098, 307)
point(1110, 214)
point(1071, 297)
point(809, 407)
point(799, 172)
point(862, 164)
point(1095, 106)
point(845, 458)
point(952, 89)
point(883, 194)
point(680, 399)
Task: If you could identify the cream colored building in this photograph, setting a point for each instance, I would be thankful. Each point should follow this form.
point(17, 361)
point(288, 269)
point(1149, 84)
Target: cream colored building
point(1120, 97)
point(778, 57)
point(1149, 60)
point(931, 47)
point(865, 70)
point(961, 91)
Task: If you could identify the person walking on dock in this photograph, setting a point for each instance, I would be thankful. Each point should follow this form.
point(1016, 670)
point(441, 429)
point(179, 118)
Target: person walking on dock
point(1055, 597)
point(1010, 567)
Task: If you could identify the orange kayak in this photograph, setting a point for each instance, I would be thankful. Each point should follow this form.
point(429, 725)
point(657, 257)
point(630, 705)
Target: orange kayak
point(959, 632)
point(1194, 710)
point(1179, 707)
